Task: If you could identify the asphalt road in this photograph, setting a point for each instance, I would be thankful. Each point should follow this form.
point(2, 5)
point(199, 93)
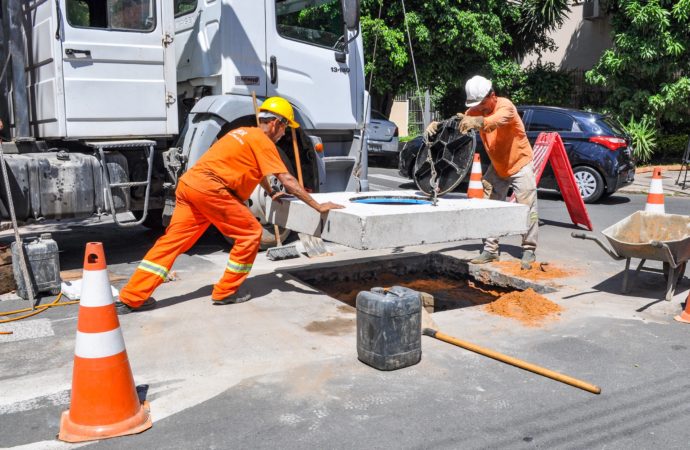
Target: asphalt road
point(255, 376)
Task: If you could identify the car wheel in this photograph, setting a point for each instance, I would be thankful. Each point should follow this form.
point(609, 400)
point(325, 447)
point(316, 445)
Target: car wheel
point(590, 183)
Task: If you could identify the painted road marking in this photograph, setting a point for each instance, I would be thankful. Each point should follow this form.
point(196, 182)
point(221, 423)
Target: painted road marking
point(27, 329)
point(389, 178)
point(378, 187)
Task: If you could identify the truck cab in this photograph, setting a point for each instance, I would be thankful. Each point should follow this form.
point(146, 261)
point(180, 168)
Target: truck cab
point(123, 96)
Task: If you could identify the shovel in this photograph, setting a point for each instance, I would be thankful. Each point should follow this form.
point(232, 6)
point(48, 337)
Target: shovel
point(280, 251)
point(313, 246)
point(430, 328)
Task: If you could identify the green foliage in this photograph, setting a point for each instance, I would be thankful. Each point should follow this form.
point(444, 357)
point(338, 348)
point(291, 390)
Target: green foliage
point(544, 85)
point(648, 69)
point(643, 136)
point(453, 40)
point(78, 13)
point(671, 147)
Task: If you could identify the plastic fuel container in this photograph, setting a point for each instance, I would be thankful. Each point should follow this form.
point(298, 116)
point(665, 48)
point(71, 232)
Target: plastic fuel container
point(43, 263)
point(389, 327)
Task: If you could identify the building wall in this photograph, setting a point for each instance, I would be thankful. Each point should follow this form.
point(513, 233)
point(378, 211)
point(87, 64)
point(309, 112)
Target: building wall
point(580, 42)
point(400, 116)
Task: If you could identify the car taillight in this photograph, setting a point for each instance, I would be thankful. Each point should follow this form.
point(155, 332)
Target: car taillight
point(395, 133)
point(611, 142)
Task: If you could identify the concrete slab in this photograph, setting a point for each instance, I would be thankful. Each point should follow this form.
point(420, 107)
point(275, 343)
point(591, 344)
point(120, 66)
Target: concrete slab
point(375, 226)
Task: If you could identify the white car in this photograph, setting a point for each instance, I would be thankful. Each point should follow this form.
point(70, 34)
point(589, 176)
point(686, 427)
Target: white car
point(382, 135)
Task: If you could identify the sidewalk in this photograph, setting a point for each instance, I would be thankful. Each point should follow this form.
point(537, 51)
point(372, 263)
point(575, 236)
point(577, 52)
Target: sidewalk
point(644, 177)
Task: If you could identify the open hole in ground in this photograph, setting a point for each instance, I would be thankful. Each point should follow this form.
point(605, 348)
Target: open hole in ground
point(453, 283)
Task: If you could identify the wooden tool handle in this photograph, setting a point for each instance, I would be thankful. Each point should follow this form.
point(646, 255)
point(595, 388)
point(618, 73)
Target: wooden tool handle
point(256, 108)
point(297, 161)
point(514, 361)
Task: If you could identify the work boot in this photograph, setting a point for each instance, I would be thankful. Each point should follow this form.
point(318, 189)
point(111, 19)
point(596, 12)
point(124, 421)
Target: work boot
point(484, 257)
point(123, 308)
point(240, 296)
point(528, 258)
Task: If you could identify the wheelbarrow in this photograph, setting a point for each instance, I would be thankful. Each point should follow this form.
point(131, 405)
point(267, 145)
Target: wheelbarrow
point(649, 236)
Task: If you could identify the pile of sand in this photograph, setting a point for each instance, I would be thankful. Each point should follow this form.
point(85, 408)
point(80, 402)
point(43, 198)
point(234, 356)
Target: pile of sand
point(538, 272)
point(527, 306)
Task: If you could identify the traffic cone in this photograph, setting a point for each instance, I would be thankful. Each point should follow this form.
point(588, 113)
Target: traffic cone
point(475, 188)
point(655, 198)
point(685, 315)
point(104, 400)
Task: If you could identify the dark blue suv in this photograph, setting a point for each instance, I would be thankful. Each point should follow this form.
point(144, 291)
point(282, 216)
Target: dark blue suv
point(599, 151)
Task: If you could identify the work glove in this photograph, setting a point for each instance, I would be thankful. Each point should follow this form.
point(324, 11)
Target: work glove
point(459, 116)
point(471, 123)
point(431, 130)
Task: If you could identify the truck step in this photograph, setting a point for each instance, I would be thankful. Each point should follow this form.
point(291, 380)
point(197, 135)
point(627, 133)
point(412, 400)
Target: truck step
point(339, 162)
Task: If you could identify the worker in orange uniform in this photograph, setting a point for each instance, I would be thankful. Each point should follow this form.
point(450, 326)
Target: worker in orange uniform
point(503, 135)
point(213, 191)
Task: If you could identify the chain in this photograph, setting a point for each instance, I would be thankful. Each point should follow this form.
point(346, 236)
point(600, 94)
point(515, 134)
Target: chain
point(433, 181)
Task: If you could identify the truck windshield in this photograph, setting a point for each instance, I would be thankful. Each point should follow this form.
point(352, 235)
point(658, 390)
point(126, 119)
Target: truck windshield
point(317, 22)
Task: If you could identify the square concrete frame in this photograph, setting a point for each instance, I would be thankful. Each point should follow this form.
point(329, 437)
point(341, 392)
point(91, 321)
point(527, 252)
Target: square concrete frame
point(371, 226)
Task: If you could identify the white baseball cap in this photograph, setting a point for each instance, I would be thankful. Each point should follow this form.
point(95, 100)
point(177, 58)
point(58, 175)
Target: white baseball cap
point(476, 89)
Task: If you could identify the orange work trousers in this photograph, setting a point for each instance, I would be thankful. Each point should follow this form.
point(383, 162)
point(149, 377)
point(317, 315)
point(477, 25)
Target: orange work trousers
point(194, 212)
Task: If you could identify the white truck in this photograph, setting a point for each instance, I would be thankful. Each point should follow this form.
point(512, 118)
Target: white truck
point(119, 97)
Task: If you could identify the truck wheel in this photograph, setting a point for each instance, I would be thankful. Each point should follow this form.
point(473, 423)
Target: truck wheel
point(154, 218)
point(590, 183)
point(268, 237)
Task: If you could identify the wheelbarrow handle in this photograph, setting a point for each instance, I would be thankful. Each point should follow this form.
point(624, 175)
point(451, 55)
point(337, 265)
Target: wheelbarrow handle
point(602, 244)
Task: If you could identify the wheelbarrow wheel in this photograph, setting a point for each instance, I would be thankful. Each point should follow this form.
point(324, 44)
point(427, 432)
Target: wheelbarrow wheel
point(680, 269)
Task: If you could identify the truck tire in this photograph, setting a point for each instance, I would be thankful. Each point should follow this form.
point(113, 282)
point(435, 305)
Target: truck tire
point(268, 237)
point(154, 219)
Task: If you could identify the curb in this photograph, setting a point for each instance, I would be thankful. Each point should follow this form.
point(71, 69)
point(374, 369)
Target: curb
point(647, 169)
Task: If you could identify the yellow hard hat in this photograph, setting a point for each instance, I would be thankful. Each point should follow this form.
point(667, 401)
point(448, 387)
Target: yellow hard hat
point(280, 107)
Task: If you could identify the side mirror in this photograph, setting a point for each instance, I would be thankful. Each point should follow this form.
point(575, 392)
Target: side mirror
point(351, 14)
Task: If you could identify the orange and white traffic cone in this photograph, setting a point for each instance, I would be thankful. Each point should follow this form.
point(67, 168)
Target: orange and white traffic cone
point(476, 188)
point(685, 315)
point(104, 400)
point(655, 198)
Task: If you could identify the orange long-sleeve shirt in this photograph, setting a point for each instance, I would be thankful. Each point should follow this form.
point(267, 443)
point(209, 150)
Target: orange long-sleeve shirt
point(237, 162)
point(504, 138)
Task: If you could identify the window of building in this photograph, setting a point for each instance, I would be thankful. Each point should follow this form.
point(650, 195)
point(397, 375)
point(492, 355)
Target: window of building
point(129, 15)
point(550, 121)
point(317, 22)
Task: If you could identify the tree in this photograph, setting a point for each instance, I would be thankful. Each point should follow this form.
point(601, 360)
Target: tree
point(453, 40)
point(648, 68)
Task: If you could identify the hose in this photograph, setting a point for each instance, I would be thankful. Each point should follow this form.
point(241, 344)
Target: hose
point(38, 309)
